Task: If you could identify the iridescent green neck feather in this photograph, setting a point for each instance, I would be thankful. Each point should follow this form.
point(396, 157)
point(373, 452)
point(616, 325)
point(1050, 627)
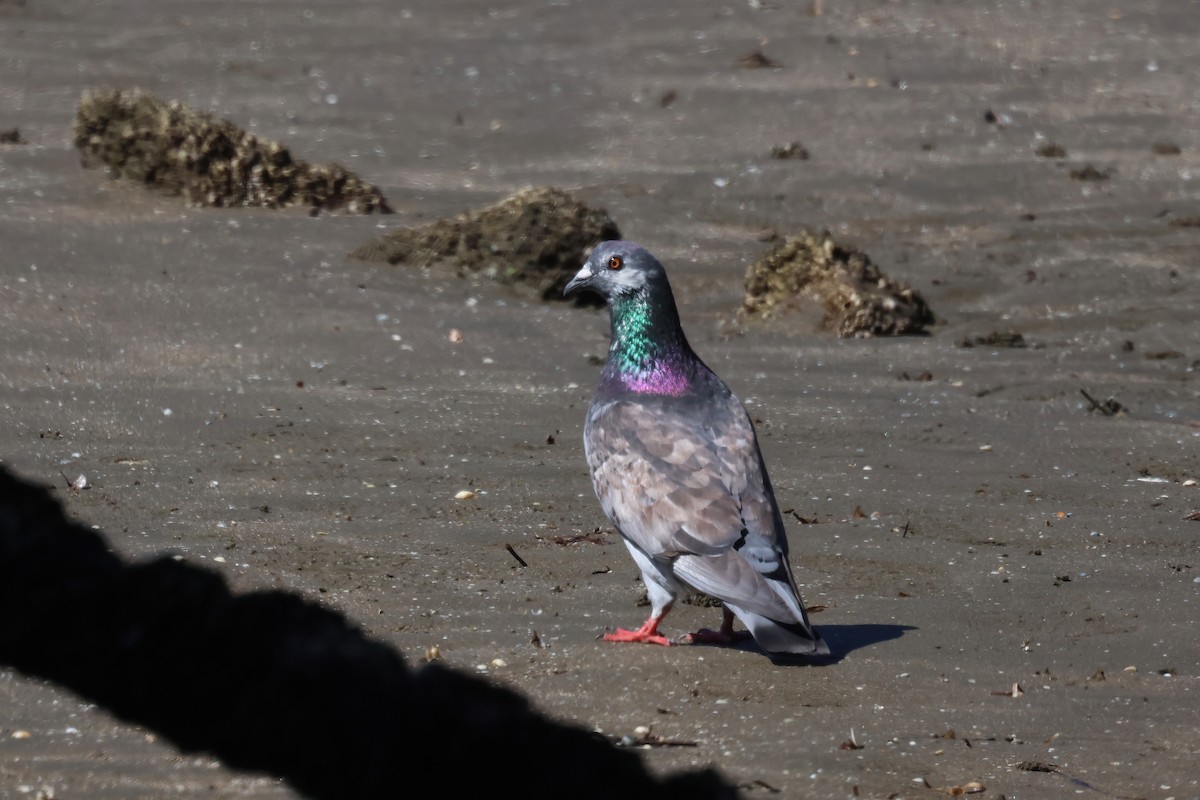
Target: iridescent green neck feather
point(649, 353)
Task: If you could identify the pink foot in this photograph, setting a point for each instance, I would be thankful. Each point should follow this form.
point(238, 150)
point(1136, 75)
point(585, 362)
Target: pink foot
point(648, 633)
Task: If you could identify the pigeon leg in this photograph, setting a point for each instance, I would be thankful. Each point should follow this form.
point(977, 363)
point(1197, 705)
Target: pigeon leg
point(727, 635)
point(661, 597)
point(647, 633)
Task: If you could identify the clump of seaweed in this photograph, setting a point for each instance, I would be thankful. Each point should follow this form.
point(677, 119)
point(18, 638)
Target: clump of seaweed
point(537, 237)
point(210, 161)
point(858, 298)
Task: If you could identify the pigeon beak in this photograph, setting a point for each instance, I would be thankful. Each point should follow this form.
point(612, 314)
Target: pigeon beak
point(581, 279)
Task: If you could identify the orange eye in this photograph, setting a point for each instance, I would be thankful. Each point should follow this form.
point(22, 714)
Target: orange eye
point(615, 262)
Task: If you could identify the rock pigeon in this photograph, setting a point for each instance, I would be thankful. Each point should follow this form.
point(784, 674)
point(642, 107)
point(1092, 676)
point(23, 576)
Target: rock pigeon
point(677, 468)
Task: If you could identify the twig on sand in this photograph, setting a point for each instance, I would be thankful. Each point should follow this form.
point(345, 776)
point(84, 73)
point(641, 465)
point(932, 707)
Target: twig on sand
point(513, 553)
point(1108, 408)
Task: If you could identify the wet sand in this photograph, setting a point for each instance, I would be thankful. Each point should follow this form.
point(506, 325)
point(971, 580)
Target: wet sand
point(240, 393)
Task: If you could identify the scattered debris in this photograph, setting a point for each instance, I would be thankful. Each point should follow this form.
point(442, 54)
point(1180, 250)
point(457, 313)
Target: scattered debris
point(667, 98)
point(537, 237)
point(757, 60)
point(995, 339)
point(851, 743)
point(644, 736)
point(1166, 149)
point(515, 555)
point(1089, 173)
point(77, 485)
point(12, 136)
point(1052, 150)
point(595, 537)
point(858, 298)
point(1185, 222)
point(758, 783)
point(1036, 766)
point(791, 150)
point(701, 600)
point(210, 161)
point(1015, 691)
point(1108, 408)
point(1193, 517)
point(974, 787)
point(921, 377)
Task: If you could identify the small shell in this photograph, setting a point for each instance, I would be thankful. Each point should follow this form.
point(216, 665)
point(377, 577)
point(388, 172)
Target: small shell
point(433, 653)
point(465, 494)
point(456, 336)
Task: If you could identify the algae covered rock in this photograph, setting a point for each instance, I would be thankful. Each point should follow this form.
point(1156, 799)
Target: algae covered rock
point(536, 238)
point(210, 161)
point(858, 298)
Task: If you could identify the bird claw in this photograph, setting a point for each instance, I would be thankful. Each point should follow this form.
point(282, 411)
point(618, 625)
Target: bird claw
point(641, 635)
point(708, 636)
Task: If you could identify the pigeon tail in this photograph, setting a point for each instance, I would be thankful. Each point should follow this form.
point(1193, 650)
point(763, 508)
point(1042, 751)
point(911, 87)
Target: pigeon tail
point(796, 638)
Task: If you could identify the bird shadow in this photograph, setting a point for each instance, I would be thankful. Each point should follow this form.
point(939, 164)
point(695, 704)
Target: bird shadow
point(845, 639)
point(842, 640)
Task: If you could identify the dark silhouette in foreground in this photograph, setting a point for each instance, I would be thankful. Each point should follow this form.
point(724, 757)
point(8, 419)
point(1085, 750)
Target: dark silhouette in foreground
point(268, 681)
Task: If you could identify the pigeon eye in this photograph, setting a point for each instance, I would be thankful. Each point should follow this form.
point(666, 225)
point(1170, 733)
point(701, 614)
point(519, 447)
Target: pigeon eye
point(615, 262)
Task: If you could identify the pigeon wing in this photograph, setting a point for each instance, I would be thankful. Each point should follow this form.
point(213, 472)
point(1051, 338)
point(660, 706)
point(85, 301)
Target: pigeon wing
point(660, 479)
point(685, 483)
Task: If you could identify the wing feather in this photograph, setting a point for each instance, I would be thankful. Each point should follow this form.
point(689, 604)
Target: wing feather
point(679, 480)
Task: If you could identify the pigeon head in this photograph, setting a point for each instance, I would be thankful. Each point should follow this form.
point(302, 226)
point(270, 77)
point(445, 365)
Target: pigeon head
point(648, 353)
point(618, 269)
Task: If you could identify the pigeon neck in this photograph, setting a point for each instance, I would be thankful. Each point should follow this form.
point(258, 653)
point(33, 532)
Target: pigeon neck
point(649, 353)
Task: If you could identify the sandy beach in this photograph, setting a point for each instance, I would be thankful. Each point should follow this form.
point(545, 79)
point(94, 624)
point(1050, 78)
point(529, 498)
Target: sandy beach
point(1005, 569)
